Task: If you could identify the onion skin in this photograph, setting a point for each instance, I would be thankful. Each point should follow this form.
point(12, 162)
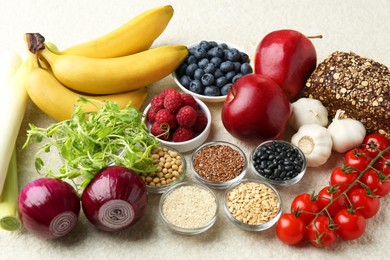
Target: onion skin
point(115, 199)
point(49, 208)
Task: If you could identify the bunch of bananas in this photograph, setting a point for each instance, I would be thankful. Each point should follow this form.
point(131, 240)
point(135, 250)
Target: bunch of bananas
point(117, 66)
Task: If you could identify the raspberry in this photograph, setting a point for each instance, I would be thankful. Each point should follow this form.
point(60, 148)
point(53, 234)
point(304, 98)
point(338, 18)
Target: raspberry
point(165, 116)
point(151, 115)
point(166, 91)
point(182, 134)
point(186, 116)
point(173, 101)
point(160, 131)
point(189, 100)
point(201, 122)
point(157, 103)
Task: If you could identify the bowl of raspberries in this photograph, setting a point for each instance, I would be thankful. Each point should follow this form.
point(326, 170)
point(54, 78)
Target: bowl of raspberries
point(178, 120)
point(210, 70)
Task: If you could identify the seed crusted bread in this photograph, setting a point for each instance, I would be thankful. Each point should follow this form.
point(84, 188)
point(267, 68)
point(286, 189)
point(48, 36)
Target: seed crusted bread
point(355, 84)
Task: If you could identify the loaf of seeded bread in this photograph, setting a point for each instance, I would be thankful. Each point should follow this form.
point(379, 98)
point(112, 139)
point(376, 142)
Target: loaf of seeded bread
point(355, 84)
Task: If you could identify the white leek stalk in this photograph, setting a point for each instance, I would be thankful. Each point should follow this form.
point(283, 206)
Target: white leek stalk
point(9, 219)
point(13, 103)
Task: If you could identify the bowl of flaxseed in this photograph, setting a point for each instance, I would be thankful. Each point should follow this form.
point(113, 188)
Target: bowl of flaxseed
point(218, 164)
point(252, 205)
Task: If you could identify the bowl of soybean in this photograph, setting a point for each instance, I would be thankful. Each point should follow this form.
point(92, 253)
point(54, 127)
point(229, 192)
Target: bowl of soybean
point(188, 208)
point(218, 164)
point(278, 162)
point(170, 167)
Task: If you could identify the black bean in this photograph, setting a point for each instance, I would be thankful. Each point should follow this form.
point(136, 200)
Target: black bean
point(278, 161)
point(264, 157)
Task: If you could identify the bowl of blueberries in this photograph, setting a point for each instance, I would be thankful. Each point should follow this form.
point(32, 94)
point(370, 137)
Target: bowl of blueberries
point(210, 70)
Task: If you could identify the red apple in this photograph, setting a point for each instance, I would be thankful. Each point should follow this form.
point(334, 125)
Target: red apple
point(256, 109)
point(288, 57)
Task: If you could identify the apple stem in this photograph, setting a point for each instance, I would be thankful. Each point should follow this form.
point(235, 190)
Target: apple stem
point(315, 37)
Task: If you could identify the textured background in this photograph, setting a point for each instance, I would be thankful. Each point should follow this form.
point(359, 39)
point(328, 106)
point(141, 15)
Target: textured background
point(350, 25)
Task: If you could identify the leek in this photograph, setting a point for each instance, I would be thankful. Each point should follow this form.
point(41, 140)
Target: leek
point(13, 103)
point(9, 219)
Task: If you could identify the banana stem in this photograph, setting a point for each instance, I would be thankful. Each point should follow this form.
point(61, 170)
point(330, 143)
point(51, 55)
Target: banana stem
point(34, 42)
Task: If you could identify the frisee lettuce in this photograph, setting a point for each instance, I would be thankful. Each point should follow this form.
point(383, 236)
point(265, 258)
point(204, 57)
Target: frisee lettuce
point(89, 142)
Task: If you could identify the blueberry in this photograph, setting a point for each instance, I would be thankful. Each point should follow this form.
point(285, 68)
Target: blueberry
point(238, 75)
point(227, 66)
point(244, 57)
point(246, 68)
point(210, 68)
point(182, 69)
point(221, 81)
point(191, 69)
point(230, 75)
point(208, 79)
point(198, 74)
point(212, 91)
point(196, 86)
point(233, 55)
point(237, 66)
point(191, 60)
point(191, 50)
point(202, 63)
point(224, 46)
point(200, 53)
point(205, 45)
point(215, 52)
point(225, 89)
point(213, 43)
point(185, 81)
point(218, 73)
point(216, 61)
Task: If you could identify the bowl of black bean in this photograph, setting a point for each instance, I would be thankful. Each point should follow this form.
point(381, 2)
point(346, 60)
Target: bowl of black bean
point(210, 69)
point(278, 162)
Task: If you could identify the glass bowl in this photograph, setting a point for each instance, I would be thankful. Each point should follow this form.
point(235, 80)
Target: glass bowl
point(211, 99)
point(278, 162)
point(218, 164)
point(194, 142)
point(171, 170)
point(188, 208)
point(252, 205)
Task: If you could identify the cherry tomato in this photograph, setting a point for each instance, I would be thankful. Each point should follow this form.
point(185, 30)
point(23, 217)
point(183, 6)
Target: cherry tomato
point(373, 143)
point(305, 206)
point(383, 164)
point(327, 195)
point(350, 224)
point(290, 229)
point(343, 177)
point(365, 204)
point(357, 159)
point(321, 233)
point(378, 184)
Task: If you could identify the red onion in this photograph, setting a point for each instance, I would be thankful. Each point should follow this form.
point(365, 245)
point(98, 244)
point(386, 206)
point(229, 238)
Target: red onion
point(49, 207)
point(115, 199)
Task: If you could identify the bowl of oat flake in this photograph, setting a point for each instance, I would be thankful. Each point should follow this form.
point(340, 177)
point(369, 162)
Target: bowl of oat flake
point(218, 164)
point(188, 208)
point(252, 205)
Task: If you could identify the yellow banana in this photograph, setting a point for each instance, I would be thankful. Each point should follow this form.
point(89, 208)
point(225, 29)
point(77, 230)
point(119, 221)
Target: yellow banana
point(114, 75)
point(58, 102)
point(136, 35)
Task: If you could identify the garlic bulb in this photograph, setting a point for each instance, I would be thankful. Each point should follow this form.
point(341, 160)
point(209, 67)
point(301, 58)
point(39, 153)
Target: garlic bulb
point(315, 142)
point(346, 133)
point(308, 111)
